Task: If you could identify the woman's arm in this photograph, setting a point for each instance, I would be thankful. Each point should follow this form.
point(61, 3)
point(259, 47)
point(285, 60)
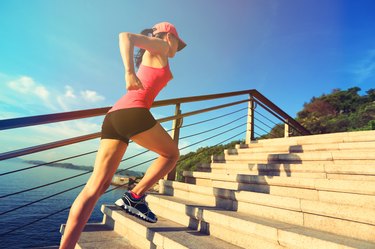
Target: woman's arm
point(127, 41)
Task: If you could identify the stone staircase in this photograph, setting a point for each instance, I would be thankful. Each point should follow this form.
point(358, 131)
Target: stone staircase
point(301, 192)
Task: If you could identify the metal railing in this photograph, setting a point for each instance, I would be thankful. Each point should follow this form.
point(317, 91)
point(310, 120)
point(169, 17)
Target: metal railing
point(254, 101)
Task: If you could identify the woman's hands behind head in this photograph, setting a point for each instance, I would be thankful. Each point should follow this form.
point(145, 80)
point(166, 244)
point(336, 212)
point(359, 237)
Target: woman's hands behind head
point(132, 81)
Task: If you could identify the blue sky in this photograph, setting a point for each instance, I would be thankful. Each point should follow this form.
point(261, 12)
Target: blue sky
point(58, 56)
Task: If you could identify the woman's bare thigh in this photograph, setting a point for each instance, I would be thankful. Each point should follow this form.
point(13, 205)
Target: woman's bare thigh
point(157, 140)
point(107, 160)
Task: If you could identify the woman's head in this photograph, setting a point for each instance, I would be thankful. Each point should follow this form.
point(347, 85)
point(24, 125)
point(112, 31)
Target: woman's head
point(170, 29)
point(167, 32)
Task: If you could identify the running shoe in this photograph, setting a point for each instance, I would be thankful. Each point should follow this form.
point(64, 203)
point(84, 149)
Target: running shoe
point(137, 207)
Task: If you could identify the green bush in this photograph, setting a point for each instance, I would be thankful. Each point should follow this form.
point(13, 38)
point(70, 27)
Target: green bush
point(340, 111)
point(189, 161)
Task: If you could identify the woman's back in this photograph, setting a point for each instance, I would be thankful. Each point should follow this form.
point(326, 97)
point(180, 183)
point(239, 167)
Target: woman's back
point(153, 79)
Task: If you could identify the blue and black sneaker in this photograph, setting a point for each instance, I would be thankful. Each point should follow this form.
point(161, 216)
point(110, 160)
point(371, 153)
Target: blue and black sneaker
point(136, 206)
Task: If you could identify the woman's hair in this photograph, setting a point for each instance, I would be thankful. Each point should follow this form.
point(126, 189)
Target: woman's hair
point(139, 55)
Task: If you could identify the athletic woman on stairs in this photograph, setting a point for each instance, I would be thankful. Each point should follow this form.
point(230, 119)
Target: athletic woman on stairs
point(130, 118)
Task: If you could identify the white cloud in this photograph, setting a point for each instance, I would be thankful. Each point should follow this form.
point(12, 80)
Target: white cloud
point(24, 93)
point(70, 100)
point(67, 99)
point(26, 85)
point(41, 92)
point(62, 103)
point(91, 96)
point(22, 96)
point(69, 92)
point(22, 85)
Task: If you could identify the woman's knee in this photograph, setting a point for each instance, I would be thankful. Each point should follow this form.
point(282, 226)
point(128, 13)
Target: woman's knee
point(172, 154)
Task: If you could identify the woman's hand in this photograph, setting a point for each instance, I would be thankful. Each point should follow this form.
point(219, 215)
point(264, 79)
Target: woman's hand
point(132, 82)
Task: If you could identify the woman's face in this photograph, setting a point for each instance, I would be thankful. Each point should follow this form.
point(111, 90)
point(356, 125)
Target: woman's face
point(173, 44)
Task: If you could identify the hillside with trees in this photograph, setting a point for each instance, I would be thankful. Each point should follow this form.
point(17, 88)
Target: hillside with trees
point(339, 111)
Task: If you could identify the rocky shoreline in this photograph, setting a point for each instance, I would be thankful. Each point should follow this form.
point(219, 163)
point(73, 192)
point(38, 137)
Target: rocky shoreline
point(122, 172)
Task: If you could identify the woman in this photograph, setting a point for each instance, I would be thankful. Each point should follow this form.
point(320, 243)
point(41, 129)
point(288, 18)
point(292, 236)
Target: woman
point(130, 118)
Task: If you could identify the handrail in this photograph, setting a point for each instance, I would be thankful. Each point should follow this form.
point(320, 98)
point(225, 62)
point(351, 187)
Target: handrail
point(50, 118)
point(201, 97)
point(283, 114)
point(60, 143)
point(255, 96)
point(65, 116)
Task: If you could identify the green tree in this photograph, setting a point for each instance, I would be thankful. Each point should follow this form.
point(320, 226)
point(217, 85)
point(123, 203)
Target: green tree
point(341, 110)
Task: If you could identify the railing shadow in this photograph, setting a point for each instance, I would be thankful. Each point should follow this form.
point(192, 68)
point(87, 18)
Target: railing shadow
point(277, 163)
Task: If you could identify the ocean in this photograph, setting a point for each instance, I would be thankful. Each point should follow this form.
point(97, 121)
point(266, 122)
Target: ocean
point(44, 232)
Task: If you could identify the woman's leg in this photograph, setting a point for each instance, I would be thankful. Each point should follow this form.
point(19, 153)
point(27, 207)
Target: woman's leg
point(157, 140)
point(107, 160)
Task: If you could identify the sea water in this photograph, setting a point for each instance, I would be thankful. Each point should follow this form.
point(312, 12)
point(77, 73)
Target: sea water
point(47, 231)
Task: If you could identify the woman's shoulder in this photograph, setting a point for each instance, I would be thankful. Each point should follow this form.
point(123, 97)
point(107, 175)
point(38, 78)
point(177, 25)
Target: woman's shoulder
point(156, 60)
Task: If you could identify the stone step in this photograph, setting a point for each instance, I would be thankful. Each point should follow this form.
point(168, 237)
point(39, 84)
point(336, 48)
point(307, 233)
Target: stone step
point(267, 173)
point(347, 211)
point(349, 146)
point(343, 137)
point(292, 174)
point(294, 144)
point(162, 234)
point(351, 177)
point(268, 149)
point(264, 167)
point(284, 170)
point(219, 159)
point(338, 219)
point(328, 168)
point(99, 235)
point(193, 215)
point(250, 183)
point(246, 230)
point(325, 194)
point(360, 158)
point(353, 146)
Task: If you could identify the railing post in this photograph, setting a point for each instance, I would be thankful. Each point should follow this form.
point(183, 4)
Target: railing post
point(286, 128)
point(250, 121)
point(177, 123)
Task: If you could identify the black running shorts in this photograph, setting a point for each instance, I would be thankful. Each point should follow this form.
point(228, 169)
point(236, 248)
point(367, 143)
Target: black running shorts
point(122, 124)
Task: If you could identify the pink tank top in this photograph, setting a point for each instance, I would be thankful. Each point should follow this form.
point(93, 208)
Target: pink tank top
point(153, 80)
